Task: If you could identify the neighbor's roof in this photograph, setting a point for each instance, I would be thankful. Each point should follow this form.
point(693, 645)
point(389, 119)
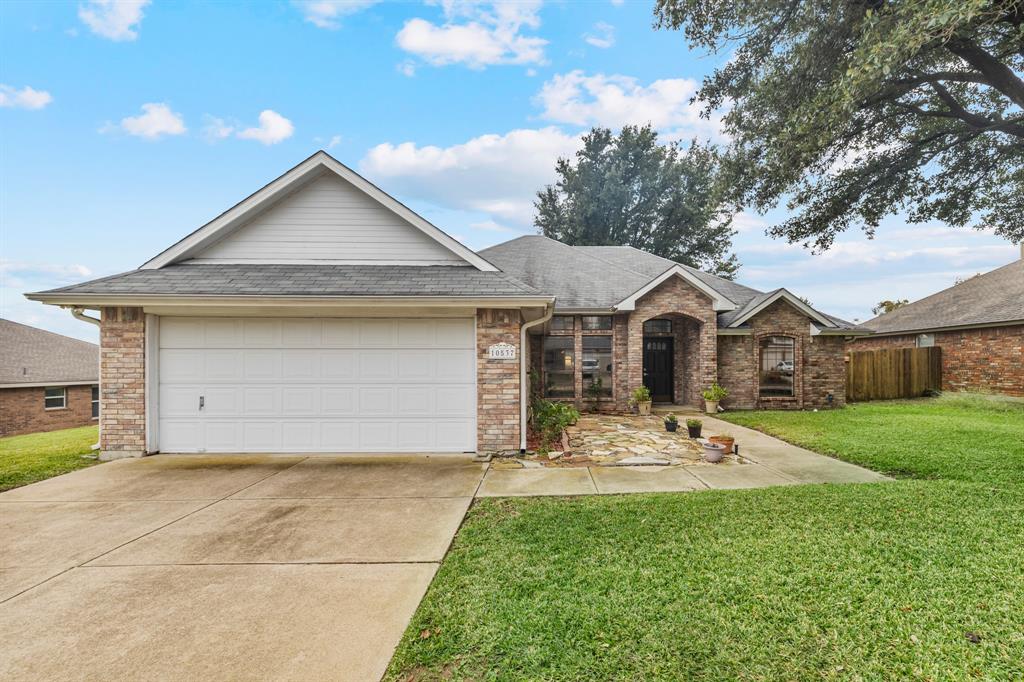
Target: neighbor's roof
point(35, 356)
point(996, 297)
point(599, 277)
point(303, 280)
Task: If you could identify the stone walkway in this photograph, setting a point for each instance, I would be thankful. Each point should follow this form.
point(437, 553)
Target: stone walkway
point(764, 461)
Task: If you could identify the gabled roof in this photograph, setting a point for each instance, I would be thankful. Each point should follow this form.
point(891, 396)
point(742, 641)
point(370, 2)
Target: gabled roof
point(756, 305)
point(315, 165)
point(995, 298)
point(36, 357)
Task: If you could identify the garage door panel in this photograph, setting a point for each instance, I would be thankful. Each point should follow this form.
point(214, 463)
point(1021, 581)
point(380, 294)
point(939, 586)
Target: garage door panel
point(306, 385)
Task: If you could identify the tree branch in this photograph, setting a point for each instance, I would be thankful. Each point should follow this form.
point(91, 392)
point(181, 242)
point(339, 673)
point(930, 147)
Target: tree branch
point(998, 74)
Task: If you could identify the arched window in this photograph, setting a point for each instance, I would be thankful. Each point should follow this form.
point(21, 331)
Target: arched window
point(777, 360)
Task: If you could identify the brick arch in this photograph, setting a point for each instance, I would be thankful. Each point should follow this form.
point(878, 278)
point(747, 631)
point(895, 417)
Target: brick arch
point(677, 299)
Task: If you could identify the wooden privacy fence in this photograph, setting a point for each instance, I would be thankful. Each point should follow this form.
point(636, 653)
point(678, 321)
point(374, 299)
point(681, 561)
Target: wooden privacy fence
point(893, 373)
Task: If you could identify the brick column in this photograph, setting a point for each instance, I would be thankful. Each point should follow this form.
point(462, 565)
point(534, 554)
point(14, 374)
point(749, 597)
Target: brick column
point(497, 407)
point(122, 383)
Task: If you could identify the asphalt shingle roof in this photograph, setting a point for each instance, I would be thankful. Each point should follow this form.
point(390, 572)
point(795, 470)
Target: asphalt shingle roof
point(33, 356)
point(992, 298)
point(307, 280)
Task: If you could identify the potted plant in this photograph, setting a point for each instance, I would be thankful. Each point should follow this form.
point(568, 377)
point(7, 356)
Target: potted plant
point(713, 452)
point(671, 423)
point(642, 399)
point(713, 396)
point(725, 440)
point(693, 427)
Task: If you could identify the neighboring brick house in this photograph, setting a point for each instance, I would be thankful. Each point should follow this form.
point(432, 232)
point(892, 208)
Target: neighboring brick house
point(322, 315)
point(47, 381)
point(979, 324)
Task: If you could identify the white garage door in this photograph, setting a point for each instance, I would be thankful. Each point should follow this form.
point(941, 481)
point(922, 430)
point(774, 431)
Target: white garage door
point(317, 385)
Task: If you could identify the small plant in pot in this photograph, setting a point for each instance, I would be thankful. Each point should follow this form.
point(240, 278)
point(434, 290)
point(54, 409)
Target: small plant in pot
point(713, 452)
point(693, 427)
point(671, 423)
point(725, 440)
point(642, 399)
point(712, 396)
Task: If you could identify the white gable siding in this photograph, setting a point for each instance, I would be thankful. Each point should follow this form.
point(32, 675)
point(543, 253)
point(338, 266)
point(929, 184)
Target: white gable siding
point(328, 220)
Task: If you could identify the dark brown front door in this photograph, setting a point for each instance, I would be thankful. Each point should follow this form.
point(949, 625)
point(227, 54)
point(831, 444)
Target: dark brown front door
point(658, 368)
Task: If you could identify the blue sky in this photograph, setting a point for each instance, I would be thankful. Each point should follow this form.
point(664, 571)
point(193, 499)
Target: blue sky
point(126, 125)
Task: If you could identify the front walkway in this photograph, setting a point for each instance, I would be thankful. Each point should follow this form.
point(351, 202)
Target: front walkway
point(619, 441)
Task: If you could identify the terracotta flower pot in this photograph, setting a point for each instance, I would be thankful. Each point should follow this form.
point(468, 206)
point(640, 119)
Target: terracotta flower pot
point(725, 441)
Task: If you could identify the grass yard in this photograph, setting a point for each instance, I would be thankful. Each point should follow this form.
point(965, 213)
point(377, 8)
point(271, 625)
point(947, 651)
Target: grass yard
point(922, 578)
point(36, 456)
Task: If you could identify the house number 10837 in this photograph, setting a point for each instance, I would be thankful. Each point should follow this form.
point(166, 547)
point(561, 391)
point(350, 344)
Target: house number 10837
point(501, 351)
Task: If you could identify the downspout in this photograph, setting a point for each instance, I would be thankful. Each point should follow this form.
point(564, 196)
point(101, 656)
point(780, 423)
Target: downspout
point(524, 395)
point(78, 314)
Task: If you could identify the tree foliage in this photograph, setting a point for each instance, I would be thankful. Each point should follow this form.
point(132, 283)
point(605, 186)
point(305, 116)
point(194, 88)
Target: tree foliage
point(629, 190)
point(888, 306)
point(854, 110)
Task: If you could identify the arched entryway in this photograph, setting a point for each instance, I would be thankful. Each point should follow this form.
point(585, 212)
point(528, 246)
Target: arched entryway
point(671, 358)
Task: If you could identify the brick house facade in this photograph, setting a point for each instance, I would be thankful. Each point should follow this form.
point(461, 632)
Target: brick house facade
point(23, 410)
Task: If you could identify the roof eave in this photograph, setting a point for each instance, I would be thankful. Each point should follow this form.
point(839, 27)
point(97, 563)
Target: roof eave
point(99, 300)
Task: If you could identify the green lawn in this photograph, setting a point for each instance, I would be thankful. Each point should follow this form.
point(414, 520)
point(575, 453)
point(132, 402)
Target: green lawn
point(922, 578)
point(35, 456)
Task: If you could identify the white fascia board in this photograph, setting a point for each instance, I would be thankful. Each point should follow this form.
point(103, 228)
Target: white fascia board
point(789, 298)
point(719, 302)
point(93, 301)
point(46, 384)
point(233, 217)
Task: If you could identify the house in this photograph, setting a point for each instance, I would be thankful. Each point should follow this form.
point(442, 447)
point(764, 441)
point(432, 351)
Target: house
point(320, 314)
point(979, 324)
point(47, 381)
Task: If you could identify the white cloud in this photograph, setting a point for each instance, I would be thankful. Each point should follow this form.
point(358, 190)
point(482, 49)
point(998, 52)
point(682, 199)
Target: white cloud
point(407, 68)
point(26, 98)
point(215, 129)
point(328, 13)
point(156, 121)
point(618, 3)
point(113, 19)
point(334, 141)
point(497, 175)
point(614, 100)
point(491, 226)
point(477, 34)
point(273, 128)
point(603, 35)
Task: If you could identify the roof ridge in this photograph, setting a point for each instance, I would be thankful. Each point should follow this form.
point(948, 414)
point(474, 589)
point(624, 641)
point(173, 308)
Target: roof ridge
point(47, 331)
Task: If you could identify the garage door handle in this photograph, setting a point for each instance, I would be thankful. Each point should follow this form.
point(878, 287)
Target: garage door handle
point(202, 400)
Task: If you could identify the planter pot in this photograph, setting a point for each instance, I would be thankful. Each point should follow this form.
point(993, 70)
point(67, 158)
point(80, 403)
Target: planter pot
point(693, 431)
point(725, 441)
point(644, 408)
point(671, 426)
point(711, 406)
point(713, 452)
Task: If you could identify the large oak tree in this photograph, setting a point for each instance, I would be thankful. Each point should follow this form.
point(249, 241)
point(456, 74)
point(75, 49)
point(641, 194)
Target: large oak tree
point(855, 110)
point(629, 190)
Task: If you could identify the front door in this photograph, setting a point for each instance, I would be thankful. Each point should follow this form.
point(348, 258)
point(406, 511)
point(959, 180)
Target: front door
point(658, 368)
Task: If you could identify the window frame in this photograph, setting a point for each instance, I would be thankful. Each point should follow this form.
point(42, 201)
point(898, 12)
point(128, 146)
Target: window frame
point(602, 318)
point(63, 397)
point(94, 400)
point(922, 337)
point(606, 386)
point(562, 318)
point(670, 330)
point(759, 354)
point(567, 343)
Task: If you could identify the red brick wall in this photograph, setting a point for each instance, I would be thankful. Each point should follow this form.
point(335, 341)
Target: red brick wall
point(122, 381)
point(987, 360)
point(737, 371)
point(497, 381)
point(22, 410)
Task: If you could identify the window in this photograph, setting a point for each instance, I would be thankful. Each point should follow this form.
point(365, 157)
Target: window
point(55, 398)
point(597, 364)
point(777, 366)
point(559, 367)
point(95, 402)
point(562, 323)
point(658, 327)
point(925, 340)
point(597, 323)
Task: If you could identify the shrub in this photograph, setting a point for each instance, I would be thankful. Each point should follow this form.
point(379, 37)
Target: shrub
point(640, 395)
point(551, 418)
point(715, 392)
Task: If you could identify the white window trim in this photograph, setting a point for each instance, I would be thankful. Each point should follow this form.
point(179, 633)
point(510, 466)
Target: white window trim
point(63, 396)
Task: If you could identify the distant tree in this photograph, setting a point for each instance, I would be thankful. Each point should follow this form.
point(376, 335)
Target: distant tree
point(888, 306)
point(852, 111)
point(628, 190)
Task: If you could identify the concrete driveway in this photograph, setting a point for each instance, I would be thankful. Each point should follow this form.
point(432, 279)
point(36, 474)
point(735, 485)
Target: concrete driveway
point(217, 567)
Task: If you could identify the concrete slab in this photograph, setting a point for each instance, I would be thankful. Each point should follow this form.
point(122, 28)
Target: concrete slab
point(49, 537)
point(364, 477)
point(739, 476)
point(16, 580)
point(211, 622)
point(827, 470)
point(645, 479)
point(302, 531)
point(160, 477)
point(528, 482)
